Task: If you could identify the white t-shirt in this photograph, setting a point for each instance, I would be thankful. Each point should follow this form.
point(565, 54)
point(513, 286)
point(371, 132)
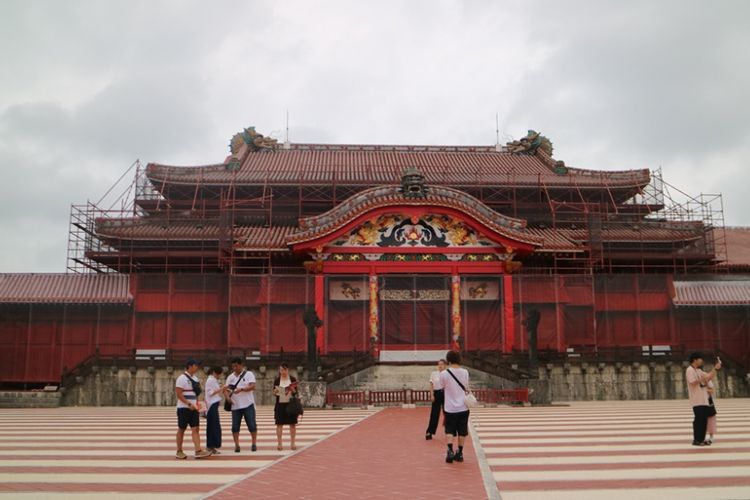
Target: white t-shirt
point(187, 389)
point(242, 400)
point(455, 397)
point(437, 384)
point(212, 384)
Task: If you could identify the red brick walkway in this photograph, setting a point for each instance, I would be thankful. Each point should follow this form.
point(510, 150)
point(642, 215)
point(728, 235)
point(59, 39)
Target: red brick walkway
point(384, 456)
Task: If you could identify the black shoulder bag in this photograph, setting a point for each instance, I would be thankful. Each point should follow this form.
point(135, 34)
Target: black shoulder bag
point(196, 385)
point(228, 400)
point(294, 407)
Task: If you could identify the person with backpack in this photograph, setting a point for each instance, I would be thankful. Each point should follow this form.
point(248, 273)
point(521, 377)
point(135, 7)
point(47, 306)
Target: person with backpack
point(187, 389)
point(455, 381)
point(240, 391)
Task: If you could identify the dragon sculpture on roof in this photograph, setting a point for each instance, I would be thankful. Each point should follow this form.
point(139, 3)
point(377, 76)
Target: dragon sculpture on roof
point(529, 144)
point(254, 140)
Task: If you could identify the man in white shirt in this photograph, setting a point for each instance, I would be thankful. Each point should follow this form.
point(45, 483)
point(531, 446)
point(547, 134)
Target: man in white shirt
point(187, 389)
point(455, 409)
point(697, 381)
point(213, 400)
point(240, 389)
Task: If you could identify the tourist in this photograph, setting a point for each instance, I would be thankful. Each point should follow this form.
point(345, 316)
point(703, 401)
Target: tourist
point(284, 388)
point(436, 395)
point(213, 400)
point(711, 423)
point(187, 389)
point(240, 389)
point(455, 381)
point(697, 381)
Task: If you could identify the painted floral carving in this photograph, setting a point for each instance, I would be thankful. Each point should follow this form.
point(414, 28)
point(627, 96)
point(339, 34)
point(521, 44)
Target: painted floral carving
point(427, 231)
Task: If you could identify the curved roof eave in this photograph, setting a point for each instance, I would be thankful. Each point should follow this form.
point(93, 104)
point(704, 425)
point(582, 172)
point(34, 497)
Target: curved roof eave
point(319, 226)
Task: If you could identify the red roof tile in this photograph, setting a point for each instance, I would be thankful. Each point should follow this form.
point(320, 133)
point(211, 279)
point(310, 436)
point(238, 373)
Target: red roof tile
point(712, 293)
point(65, 288)
point(641, 232)
point(377, 165)
point(554, 240)
point(246, 238)
point(737, 245)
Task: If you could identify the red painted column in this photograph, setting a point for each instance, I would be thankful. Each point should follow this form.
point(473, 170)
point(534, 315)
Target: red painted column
point(374, 320)
point(320, 311)
point(265, 317)
point(456, 312)
point(509, 320)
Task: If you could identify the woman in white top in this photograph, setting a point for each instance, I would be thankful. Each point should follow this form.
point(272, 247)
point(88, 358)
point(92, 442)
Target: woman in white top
point(213, 399)
point(711, 424)
point(436, 386)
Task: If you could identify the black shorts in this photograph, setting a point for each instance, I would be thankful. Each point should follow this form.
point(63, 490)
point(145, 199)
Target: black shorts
point(457, 423)
point(186, 416)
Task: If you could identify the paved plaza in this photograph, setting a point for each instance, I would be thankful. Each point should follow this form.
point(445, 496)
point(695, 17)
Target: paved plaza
point(587, 450)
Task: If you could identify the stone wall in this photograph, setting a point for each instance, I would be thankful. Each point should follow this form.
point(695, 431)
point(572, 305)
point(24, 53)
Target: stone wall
point(29, 399)
point(113, 386)
point(652, 380)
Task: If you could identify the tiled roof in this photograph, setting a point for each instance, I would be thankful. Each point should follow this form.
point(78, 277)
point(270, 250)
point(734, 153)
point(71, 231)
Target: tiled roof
point(246, 237)
point(712, 293)
point(554, 240)
point(155, 229)
point(262, 238)
point(737, 245)
point(377, 165)
point(641, 232)
point(65, 288)
point(321, 225)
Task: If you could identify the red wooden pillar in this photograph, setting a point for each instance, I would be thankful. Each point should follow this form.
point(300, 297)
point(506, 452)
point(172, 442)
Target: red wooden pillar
point(456, 312)
point(509, 321)
point(373, 319)
point(320, 311)
point(265, 317)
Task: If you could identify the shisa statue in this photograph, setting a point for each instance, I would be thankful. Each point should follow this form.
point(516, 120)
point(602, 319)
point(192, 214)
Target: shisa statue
point(256, 141)
point(529, 144)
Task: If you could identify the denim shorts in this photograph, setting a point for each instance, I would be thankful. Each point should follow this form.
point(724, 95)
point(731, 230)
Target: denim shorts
point(248, 414)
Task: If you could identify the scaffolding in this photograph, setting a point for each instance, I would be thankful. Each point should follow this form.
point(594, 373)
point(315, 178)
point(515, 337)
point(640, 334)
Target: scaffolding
point(163, 226)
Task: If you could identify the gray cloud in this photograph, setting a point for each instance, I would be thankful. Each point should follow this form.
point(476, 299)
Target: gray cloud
point(89, 86)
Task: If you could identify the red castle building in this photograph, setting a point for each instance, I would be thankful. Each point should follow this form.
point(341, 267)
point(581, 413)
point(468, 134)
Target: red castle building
point(402, 251)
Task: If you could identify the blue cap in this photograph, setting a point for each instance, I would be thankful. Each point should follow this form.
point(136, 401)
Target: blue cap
point(191, 362)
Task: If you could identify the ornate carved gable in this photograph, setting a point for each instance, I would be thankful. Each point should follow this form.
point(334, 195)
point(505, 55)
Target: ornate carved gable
point(427, 231)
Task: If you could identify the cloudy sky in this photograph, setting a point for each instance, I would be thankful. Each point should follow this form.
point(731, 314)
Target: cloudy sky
point(87, 87)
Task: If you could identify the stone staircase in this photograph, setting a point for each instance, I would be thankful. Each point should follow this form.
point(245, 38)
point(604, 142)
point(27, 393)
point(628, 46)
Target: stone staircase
point(383, 377)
